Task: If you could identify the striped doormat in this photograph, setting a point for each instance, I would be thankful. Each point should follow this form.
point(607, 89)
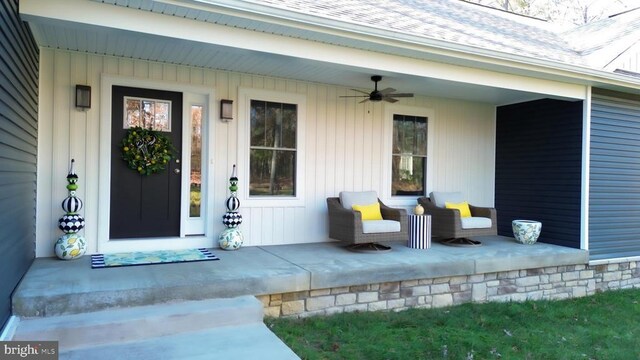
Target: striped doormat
point(150, 258)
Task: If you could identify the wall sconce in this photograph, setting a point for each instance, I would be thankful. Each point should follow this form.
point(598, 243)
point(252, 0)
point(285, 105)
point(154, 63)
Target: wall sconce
point(83, 97)
point(226, 110)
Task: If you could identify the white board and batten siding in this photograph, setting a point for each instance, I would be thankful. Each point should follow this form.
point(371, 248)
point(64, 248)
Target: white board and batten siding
point(342, 140)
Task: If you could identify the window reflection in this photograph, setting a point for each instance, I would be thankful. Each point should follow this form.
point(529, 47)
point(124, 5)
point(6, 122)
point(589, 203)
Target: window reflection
point(147, 113)
point(195, 203)
point(273, 148)
point(409, 157)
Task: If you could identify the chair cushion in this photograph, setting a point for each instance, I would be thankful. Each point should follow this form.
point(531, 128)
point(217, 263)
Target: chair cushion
point(380, 226)
point(463, 207)
point(369, 212)
point(476, 223)
point(350, 198)
point(439, 198)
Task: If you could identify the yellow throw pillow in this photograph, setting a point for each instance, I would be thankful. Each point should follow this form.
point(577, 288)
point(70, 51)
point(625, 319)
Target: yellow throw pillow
point(369, 212)
point(463, 207)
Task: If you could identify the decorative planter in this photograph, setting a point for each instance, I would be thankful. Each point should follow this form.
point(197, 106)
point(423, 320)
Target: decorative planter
point(71, 245)
point(231, 238)
point(526, 231)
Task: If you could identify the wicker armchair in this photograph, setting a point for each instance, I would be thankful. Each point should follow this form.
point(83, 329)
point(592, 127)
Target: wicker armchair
point(446, 224)
point(346, 225)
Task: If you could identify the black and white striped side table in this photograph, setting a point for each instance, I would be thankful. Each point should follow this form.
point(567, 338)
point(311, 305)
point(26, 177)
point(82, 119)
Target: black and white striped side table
point(419, 231)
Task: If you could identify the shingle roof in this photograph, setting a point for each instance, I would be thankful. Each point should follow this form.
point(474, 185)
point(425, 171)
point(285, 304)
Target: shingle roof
point(453, 21)
point(602, 41)
point(456, 21)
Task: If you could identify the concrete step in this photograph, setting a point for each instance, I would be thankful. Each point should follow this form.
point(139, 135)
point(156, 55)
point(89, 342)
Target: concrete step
point(141, 323)
point(240, 342)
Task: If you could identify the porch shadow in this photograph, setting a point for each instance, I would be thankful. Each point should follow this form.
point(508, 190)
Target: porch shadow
point(52, 287)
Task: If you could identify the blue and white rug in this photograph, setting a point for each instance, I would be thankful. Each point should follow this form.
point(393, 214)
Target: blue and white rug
point(150, 257)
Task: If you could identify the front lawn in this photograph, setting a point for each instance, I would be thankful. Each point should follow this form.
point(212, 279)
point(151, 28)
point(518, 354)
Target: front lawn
point(603, 326)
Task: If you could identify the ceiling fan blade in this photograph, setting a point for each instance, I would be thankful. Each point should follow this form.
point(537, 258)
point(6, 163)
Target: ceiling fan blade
point(365, 100)
point(402, 95)
point(389, 99)
point(354, 96)
point(387, 91)
point(360, 91)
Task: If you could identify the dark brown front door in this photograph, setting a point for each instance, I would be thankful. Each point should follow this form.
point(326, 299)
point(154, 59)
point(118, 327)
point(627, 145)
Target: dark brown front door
point(144, 205)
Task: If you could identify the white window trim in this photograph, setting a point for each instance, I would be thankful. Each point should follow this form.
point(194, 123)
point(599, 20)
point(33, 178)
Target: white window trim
point(245, 95)
point(387, 161)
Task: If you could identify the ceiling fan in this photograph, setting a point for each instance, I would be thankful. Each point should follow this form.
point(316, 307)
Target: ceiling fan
point(387, 94)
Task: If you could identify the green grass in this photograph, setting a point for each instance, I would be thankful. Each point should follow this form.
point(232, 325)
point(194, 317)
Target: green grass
point(603, 326)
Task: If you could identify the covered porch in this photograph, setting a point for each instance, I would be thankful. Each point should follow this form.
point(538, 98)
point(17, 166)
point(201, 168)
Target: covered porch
point(319, 278)
point(341, 143)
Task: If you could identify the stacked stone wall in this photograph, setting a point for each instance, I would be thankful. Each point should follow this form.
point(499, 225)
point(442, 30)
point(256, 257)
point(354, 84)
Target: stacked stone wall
point(549, 283)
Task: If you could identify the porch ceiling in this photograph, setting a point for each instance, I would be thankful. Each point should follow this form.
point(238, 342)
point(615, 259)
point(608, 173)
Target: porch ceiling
point(120, 43)
point(56, 34)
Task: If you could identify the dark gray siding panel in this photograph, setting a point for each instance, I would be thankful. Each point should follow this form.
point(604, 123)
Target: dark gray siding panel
point(539, 167)
point(614, 178)
point(18, 145)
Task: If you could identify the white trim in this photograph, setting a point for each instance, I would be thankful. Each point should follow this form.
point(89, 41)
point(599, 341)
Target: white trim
point(550, 78)
point(389, 111)
point(131, 19)
point(9, 329)
point(614, 260)
point(586, 168)
point(104, 244)
point(245, 95)
point(149, 244)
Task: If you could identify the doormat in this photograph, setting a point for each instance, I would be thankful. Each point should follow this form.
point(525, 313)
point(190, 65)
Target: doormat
point(150, 258)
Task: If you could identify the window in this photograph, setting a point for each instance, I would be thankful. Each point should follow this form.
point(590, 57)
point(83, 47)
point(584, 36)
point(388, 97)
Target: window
point(409, 155)
point(195, 176)
point(195, 193)
point(273, 148)
point(147, 113)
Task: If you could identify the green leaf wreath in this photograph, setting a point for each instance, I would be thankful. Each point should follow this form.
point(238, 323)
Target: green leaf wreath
point(146, 151)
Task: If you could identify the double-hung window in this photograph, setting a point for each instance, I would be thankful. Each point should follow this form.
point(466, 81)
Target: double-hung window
point(272, 154)
point(409, 155)
point(271, 147)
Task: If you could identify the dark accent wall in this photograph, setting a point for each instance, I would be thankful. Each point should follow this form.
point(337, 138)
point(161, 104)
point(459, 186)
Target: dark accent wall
point(18, 146)
point(539, 167)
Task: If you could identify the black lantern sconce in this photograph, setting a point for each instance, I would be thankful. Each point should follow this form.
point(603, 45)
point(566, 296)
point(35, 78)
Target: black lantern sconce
point(226, 110)
point(83, 97)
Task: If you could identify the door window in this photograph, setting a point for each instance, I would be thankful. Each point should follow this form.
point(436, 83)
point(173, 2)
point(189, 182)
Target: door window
point(151, 114)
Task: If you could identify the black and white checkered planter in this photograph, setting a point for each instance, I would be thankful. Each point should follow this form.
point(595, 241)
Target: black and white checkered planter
point(231, 238)
point(71, 245)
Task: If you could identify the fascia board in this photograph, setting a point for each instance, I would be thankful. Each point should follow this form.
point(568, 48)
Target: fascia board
point(548, 74)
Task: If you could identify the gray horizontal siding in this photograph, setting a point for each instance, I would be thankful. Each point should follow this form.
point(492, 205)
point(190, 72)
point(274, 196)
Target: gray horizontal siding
point(18, 150)
point(538, 168)
point(614, 188)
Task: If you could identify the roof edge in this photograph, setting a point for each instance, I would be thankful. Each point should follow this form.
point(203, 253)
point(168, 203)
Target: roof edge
point(392, 38)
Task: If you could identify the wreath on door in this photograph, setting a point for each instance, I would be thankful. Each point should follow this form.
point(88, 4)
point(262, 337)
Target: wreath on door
point(146, 151)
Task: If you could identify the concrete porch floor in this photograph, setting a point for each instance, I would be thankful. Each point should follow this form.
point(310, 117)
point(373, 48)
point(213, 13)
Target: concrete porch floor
point(53, 287)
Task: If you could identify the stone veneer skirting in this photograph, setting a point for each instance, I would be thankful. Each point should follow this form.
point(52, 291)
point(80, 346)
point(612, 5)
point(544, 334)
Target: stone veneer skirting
point(548, 283)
